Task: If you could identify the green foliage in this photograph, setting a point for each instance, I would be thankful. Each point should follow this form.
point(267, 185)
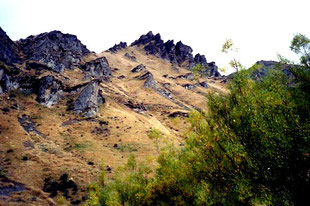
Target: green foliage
point(251, 147)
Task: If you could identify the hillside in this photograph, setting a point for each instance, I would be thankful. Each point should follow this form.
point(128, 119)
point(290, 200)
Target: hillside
point(65, 108)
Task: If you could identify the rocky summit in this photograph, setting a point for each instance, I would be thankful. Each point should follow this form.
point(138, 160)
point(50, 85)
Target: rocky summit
point(8, 49)
point(56, 50)
point(64, 108)
point(178, 53)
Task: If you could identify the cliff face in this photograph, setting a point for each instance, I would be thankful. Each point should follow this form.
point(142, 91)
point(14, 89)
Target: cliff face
point(8, 49)
point(56, 50)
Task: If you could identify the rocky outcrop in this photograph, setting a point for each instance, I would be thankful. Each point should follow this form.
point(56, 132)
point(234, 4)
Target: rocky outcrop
point(7, 79)
point(56, 50)
point(50, 91)
point(117, 47)
point(188, 86)
point(97, 68)
point(203, 84)
point(178, 53)
point(131, 57)
point(89, 100)
point(188, 76)
point(149, 80)
point(138, 68)
point(8, 49)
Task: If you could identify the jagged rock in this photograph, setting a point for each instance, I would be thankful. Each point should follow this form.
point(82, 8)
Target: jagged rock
point(144, 76)
point(7, 80)
point(165, 93)
point(89, 99)
point(178, 114)
point(8, 49)
point(55, 49)
point(183, 53)
point(144, 39)
point(188, 86)
point(270, 65)
point(118, 47)
point(132, 58)
point(149, 80)
point(188, 76)
point(179, 54)
point(203, 84)
point(50, 91)
point(136, 106)
point(29, 125)
point(138, 68)
point(97, 68)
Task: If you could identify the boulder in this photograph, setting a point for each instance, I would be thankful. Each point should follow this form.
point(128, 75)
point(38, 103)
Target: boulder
point(56, 50)
point(97, 68)
point(88, 100)
point(8, 49)
point(8, 80)
point(188, 76)
point(132, 58)
point(203, 84)
point(138, 68)
point(50, 91)
point(117, 47)
point(188, 86)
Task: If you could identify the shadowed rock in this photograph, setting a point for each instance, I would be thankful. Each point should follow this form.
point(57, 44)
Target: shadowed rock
point(188, 86)
point(7, 78)
point(117, 47)
point(50, 91)
point(131, 57)
point(98, 68)
point(203, 84)
point(188, 76)
point(8, 49)
point(88, 101)
point(55, 49)
point(179, 53)
point(149, 80)
point(138, 68)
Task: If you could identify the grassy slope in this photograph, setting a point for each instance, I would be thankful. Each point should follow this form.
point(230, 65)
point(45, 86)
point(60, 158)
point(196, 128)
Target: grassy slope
point(69, 149)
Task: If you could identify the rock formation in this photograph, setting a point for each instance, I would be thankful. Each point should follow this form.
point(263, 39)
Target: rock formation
point(118, 47)
point(89, 100)
point(50, 91)
point(57, 50)
point(97, 68)
point(131, 57)
point(138, 68)
point(178, 53)
point(8, 49)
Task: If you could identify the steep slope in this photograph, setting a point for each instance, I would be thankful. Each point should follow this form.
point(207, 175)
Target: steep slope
point(56, 127)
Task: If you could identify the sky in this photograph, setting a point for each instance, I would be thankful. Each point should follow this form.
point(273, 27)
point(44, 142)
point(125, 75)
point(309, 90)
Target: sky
point(259, 29)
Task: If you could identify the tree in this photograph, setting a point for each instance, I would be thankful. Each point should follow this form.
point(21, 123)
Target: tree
point(228, 47)
point(251, 147)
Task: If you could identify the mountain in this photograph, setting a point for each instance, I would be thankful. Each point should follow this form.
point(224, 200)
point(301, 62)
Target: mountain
point(64, 108)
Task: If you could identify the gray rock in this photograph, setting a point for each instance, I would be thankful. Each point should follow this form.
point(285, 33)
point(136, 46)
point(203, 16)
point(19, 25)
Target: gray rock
point(98, 68)
point(56, 50)
point(138, 68)
point(118, 47)
point(88, 100)
point(179, 53)
point(188, 76)
point(203, 84)
point(8, 49)
point(50, 91)
point(188, 86)
point(7, 78)
point(131, 57)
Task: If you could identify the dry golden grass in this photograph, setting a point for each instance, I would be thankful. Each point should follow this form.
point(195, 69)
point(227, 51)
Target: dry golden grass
point(69, 149)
